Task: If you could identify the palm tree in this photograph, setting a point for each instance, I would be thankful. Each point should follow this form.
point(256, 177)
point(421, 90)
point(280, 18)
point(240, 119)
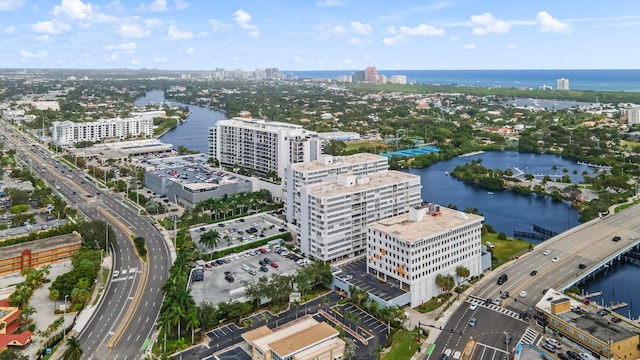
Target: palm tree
point(193, 322)
point(27, 312)
point(73, 351)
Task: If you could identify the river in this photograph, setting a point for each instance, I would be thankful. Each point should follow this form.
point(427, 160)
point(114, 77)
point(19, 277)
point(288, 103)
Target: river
point(504, 210)
point(193, 133)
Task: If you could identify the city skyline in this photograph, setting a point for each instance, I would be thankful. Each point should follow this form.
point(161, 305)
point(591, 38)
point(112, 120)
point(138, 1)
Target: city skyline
point(317, 35)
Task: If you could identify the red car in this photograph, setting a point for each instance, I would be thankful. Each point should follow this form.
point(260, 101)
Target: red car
point(273, 265)
point(262, 250)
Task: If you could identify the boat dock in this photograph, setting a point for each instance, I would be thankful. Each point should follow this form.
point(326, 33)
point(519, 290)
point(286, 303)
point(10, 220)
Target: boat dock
point(593, 294)
point(617, 306)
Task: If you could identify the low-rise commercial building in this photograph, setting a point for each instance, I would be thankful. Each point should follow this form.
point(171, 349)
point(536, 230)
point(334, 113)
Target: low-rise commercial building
point(410, 250)
point(34, 254)
point(305, 339)
point(188, 179)
point(606, 334)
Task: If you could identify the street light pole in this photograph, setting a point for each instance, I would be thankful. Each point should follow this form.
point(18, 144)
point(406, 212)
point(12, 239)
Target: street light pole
point(64, 329)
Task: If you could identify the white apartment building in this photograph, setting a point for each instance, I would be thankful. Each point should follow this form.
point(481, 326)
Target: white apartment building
point(398, 79)
point(66, 133)
point(633, 115)
point(262, 145)
point(334, 216)
point(325, 169)
point(563, 84)
point(410, 250)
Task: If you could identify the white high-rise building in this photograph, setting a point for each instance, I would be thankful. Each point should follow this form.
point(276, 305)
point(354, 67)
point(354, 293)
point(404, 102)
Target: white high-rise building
point(410, 250)
point(563, 84)
point(334, 215)
point(398, 79)
point(633, 115)
point(66, 133)
point(262, 145)
point(325, 169)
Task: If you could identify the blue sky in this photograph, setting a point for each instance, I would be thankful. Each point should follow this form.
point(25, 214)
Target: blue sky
point(319, 34)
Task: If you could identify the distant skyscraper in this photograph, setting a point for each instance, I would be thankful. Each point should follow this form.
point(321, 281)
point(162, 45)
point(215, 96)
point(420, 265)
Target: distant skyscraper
point(563, 84)
point(271, 72)
point(371, 74)
point(398, 79)
point(358, 76)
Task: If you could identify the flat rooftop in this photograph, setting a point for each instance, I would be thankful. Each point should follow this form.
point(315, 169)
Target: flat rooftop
point(190, 169)
point(585, 317)
point(432, 224)
point(339, 161)
point(40, 245)
point(303, 339)
point(333, 189)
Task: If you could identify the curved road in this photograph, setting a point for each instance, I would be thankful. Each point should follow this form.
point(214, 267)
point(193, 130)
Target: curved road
point(125, 317)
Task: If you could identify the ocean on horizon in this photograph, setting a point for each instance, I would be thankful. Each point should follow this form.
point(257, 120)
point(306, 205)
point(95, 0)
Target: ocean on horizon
point(603, 80)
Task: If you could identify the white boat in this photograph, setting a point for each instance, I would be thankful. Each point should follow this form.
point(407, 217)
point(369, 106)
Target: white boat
point(446, 173)
point(490, 193)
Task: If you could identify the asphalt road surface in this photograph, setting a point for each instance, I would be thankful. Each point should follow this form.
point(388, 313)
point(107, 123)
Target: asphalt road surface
point(125, 317)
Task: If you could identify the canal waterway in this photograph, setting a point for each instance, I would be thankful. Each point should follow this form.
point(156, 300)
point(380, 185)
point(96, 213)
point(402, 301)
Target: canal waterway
point(506, 211)
point(193, 133)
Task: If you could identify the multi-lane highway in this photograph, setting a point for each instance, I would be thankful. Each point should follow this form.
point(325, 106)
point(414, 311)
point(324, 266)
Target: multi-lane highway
point(125, 318)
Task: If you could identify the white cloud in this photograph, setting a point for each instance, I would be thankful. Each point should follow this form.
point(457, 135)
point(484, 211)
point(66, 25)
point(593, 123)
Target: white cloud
point(177, 34)
point(392, 41)
point(356, 41)
point(9, 29)
point(420, 30)
point(296, 60)
point(401, 33)
point(126, 47)
point(181, 5)
point(329, 3)
point(159, 59)
point(338, 30)
point(488, 24)
point(134, 61)
point(9, 5)
point(133, 31)
point(155, 6)
point(348, 62)
point(511, 46)
point(469, 46)
point(37, 54)
point(152, 23)
point(455, 38)
point(73, 10)
point(366, 56)
point(243, 20)
point(45, 38)
point(360, 28)
point(111, 57)
point(191, 51)
point(217, 25)
point(50, 27)
point(549, 24)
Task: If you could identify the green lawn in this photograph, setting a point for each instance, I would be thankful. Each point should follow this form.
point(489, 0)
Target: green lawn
point(404, 345)
point(505, 250)
point(433, 303)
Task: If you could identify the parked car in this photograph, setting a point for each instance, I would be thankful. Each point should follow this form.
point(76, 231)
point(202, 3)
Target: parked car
point(554, 343)
point(549, 347)
point(473, 306)
point(273, 265)
point(264, 268)
point(472, 322)
point(267, 260)
point(573, 355)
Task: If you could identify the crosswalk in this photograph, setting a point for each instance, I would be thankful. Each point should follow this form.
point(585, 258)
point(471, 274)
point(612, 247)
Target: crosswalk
point(529, 336)
point(497, 308)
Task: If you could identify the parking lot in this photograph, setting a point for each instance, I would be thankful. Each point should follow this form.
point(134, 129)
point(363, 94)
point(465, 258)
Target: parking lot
point(214, 288)
point(239, 231)
point(355, 273)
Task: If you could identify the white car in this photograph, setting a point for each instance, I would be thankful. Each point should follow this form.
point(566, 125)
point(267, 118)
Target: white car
point(523, 293)
point(546, 252)
point(116, 273)
point(555, 259)
point(473, 306)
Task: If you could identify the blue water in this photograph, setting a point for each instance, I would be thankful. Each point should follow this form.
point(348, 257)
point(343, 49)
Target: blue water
point(506, 211)
point(193, 133)
point(610, 80)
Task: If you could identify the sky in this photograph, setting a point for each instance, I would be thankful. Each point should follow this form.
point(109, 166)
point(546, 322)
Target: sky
point(298, 35)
